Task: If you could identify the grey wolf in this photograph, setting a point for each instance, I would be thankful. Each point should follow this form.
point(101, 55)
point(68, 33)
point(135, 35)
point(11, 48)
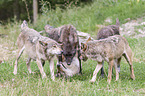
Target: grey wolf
point(38, 48)
point(67, 36)
point(109, 31)
point(110, 50)
point(105, 33)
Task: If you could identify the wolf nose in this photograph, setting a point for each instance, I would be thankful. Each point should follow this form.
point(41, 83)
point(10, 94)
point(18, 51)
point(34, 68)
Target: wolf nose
point(68, 63)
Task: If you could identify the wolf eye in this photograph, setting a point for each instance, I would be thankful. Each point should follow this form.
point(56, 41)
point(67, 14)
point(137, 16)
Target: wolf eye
point(54, 46)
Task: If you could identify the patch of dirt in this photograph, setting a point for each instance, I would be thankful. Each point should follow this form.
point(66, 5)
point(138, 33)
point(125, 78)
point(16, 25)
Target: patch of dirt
point(134, 28)
point(7, 50)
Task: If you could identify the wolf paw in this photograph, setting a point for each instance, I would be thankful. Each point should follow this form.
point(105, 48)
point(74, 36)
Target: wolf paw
point(109, 81)
point(92, 81)
point(14, 72)
point(133, 77)
point(43, 76)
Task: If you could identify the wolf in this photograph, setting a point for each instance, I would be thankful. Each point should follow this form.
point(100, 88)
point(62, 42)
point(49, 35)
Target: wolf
point(68, 37)
point(110, 49)
point(68, 70)
point(109, 31)
point(105, 33)
point(38, 48)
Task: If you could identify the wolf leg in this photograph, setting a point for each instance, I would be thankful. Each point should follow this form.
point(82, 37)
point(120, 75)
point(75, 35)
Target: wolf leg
point(80, 72)
point(128, 57)
point(111, 63)
point(102, 70)
point(118, 64)
point(43, 63)
point(79, 54)
point(28, 65)
point(116, 69)
point(98, 67)
point(39, 63)
point(51, 62)
point(18, 57)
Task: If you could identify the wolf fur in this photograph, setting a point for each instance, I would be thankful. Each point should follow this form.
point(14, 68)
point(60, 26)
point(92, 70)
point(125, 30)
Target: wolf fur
point(105, 33)
point(67, 36)
point(38, 48)
point(109, 31)
point(68, 70)
point(110, 50)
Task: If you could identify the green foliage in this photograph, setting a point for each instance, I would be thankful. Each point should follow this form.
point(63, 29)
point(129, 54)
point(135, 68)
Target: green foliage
point(87, 17)
point(11, 8)
point(2, 1)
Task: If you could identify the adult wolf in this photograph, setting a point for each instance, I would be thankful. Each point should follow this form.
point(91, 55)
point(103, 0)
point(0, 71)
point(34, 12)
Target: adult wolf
point(67, 36)
point(38, 48)
point(105, 33)
point(110, 50)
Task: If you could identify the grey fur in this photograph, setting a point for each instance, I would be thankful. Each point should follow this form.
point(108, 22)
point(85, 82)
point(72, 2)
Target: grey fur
point(109, 31)
point(106, 32)
point(38, 48)
point(109, 50)
point(68, 37)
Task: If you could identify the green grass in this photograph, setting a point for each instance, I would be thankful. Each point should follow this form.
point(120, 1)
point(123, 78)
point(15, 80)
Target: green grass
point(85, 19)
point(32, 84)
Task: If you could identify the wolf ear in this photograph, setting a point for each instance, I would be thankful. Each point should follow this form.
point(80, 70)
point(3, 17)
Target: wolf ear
point(24, 24)
point(88, 40)
point(43, 43)
point(54, 46)
point(75, 44)
point(117, 22)
point(83, 46)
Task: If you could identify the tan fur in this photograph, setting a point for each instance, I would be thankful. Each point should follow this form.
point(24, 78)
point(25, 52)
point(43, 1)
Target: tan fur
point(106, 32)
point(38, 48)
point(110, 50)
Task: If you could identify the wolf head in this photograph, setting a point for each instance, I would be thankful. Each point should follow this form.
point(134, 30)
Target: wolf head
point(69, 43)
point(68, 70)
point(48, 28)
point(69, 51)
point(24, 24)
point(84, 48)
point(50, 48)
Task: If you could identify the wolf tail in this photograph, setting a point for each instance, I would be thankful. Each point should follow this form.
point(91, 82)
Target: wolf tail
point(117, 22)
point(24, 24)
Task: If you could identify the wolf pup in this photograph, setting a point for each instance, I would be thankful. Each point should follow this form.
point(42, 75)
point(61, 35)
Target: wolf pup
point(110, 50)
point(67, 36)
point(38, 48)
point(105, 33)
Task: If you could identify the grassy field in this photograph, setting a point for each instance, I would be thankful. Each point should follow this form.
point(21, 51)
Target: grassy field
point(86, 19)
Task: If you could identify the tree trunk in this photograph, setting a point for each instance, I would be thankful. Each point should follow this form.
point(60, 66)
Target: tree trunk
point(35, 11)
point(16, 9)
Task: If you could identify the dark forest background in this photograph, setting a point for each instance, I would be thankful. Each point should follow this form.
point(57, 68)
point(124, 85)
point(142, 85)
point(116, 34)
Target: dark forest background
point(23, 9)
